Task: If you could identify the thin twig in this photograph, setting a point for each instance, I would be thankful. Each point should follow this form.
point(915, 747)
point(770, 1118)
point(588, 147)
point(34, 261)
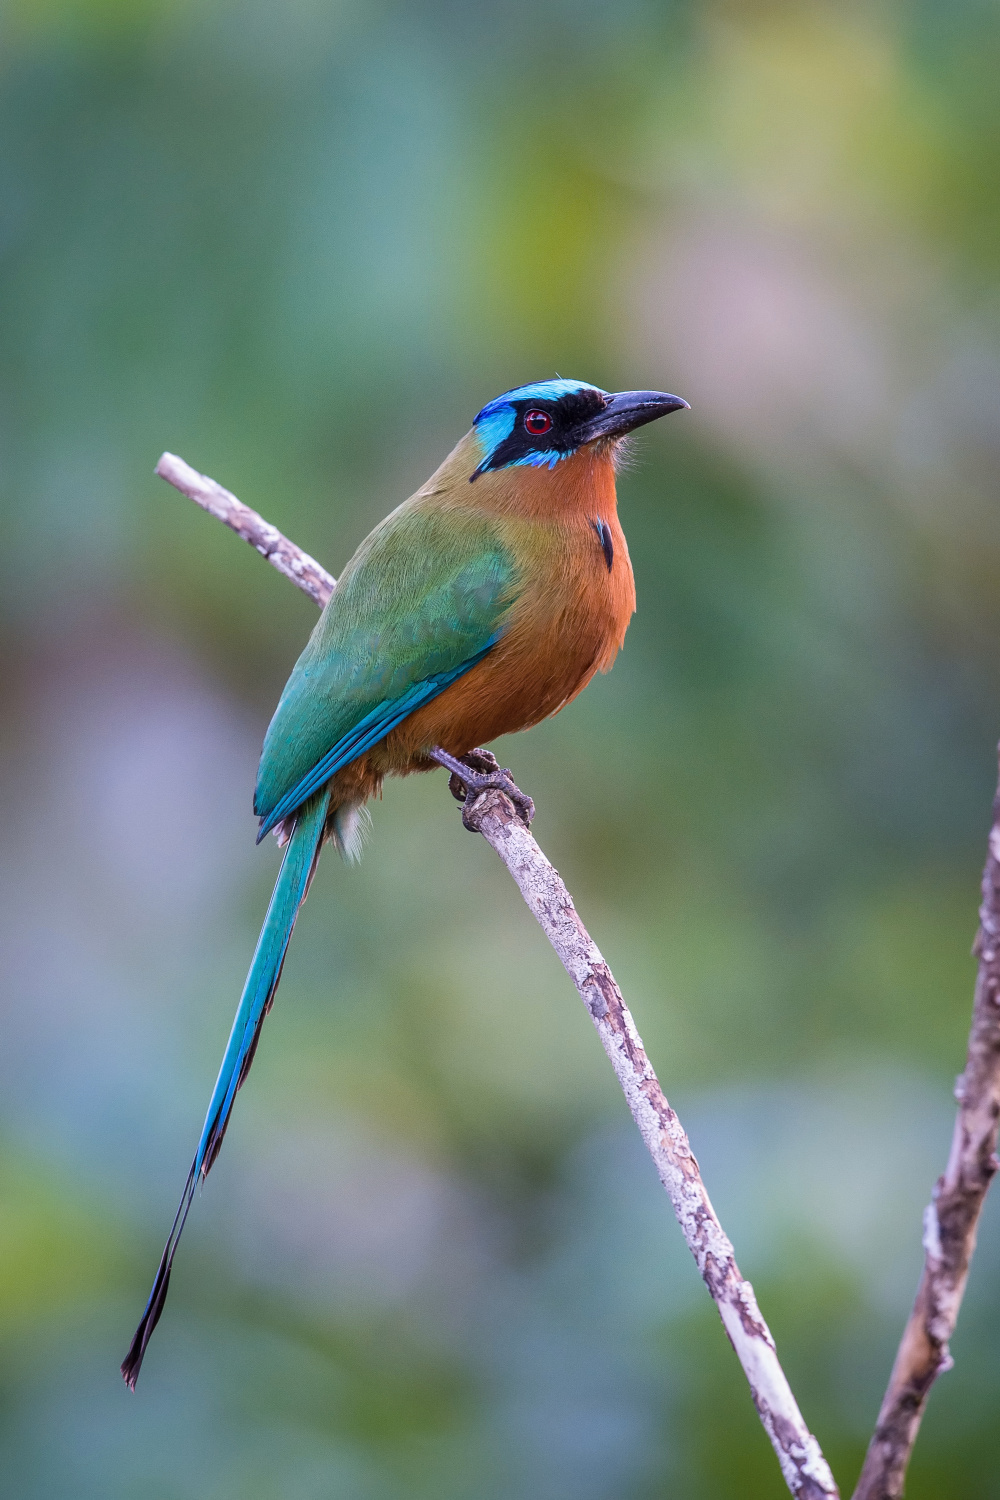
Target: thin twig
point(951, 1218)
point(493, 814)
point(262, 536)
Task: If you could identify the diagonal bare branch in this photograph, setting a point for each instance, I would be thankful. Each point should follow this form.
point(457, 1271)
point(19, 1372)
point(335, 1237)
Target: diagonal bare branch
point(951, 1218)
point(802, 1463)
point(803, 1466)
point(262, 536)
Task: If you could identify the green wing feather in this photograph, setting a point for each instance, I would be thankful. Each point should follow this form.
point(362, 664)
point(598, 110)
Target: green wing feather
point(423, 598)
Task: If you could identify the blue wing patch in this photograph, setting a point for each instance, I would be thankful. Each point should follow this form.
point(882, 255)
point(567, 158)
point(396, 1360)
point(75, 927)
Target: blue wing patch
point(366, 733)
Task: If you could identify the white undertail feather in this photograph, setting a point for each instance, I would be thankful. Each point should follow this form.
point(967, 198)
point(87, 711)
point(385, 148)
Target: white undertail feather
point(351, 826)
point(348, 830)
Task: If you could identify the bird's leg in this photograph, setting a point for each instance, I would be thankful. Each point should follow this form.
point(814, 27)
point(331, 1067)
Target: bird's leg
point(479, 771)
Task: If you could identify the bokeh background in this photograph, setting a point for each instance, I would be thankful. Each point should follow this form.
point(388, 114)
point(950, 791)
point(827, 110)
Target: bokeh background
point(300, 243)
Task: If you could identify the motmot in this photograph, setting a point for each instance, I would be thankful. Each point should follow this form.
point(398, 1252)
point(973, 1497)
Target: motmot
point(481, 605)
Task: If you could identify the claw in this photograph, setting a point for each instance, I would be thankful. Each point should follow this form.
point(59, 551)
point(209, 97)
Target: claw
point(479, 771)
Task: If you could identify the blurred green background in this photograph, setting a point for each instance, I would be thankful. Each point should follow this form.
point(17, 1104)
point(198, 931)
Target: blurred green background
point(301, 243)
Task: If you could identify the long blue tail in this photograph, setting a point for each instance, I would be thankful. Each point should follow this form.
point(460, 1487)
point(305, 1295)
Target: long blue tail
point(258, 993)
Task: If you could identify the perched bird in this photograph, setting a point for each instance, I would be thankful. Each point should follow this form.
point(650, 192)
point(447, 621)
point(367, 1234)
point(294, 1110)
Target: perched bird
point(481, 605)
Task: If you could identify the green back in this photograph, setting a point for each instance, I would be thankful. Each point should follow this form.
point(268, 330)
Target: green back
point(426, 592)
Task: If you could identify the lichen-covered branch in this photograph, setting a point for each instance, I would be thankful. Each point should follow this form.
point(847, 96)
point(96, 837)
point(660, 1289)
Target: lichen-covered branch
point(951, 1218)
point(262, 536)
point(493, 814)
point(803, 1465)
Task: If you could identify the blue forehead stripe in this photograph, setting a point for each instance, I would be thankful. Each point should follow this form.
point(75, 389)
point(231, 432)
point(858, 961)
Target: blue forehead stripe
point(495, 423)
point(541, 390)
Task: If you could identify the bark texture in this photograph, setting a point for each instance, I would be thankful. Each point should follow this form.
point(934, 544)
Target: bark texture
point(802, 1463)
point(952, 1216)
point(262, 536)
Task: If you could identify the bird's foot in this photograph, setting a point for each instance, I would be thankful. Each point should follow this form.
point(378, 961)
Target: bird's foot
point(479, 771)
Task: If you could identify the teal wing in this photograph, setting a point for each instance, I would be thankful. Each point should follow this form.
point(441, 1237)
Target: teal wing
point(425, 597)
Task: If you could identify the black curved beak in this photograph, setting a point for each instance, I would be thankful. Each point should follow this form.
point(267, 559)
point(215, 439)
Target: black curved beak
point(625, 412)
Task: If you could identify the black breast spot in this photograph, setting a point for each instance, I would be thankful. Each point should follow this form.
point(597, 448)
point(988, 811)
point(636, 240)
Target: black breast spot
point(607, 544)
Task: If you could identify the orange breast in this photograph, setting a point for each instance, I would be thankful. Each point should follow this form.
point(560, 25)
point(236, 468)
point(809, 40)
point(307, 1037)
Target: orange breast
point(569, 621)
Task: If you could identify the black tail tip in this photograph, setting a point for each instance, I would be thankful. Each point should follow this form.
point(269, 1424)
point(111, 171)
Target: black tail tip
point(132, 1363)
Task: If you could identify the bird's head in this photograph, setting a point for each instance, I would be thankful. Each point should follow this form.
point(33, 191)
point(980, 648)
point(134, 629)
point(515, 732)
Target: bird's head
point(543, 423)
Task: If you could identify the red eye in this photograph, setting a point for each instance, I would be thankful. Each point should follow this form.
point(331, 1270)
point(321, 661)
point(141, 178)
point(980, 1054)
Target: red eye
point(537, 422)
